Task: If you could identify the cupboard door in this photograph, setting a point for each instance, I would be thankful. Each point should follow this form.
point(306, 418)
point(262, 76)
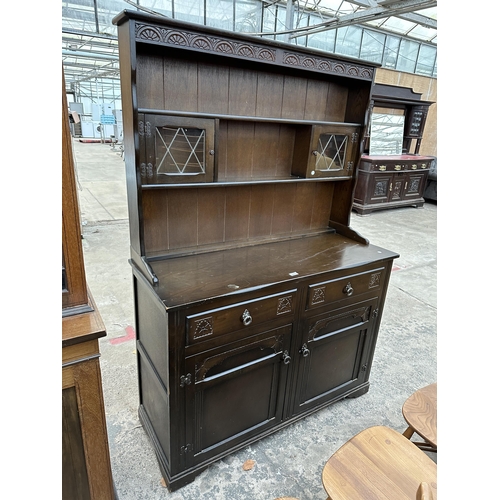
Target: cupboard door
point(236, 392)
point(334, 354)
point(176, 149)
point(333, 151)
point(414, 185)
point(379, 188)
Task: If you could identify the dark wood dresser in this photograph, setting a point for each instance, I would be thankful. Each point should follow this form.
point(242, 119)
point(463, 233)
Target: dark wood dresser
point(86, 467)
point(394, 180)
point(255, 302)
point(391, 182)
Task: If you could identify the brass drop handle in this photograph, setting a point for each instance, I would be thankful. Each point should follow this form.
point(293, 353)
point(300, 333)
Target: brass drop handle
point(305, 351)
point(348, 289)
point(286, 358)
point(246, 317)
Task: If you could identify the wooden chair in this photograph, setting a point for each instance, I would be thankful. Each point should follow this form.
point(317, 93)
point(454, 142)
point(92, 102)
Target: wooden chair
point(424, 492)
point(380, 463)
point(420, 413)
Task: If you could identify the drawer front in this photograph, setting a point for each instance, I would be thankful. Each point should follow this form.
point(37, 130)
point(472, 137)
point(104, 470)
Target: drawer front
point(223, 320)
point(394, 165)
point(351, 286)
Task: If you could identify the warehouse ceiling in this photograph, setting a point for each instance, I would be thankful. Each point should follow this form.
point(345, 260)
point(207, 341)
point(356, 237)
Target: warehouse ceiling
point(89, 39)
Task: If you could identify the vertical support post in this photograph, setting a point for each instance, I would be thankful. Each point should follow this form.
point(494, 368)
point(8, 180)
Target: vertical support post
point(288, 19)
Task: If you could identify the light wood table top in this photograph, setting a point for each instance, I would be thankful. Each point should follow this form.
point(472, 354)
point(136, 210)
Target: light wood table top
point(420, 412)
point(378, 463)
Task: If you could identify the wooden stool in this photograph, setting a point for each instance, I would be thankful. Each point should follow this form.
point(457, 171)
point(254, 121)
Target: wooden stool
point(420, 412)
point(379, 463)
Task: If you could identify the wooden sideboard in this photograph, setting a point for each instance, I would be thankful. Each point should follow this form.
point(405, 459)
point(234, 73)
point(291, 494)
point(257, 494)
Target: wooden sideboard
point(255, 302)
point(391, 182)
point(86, 467)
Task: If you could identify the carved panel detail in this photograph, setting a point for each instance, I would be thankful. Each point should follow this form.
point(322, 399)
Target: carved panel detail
point(168, 36)
point(275, 343)
point(318, 295)
point(204, 327)
point(284, 305)
point(203, 42)
point(363, 313)
point(374, 280)
point(307, 61)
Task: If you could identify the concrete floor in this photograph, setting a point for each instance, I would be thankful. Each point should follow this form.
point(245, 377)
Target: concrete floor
point(288, 463)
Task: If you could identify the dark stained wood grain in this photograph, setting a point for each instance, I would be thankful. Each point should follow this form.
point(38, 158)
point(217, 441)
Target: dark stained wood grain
point(180, 84)
point(150, 81)
point(191, 278)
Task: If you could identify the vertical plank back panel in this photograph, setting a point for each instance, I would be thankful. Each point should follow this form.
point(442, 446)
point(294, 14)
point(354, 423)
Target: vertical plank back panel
point(237, 213)
point(302, 209)
point(156, 217)
point(284, 201)
point(316, 100)
point(264, 145)
point(269, 95)
point(183, 209)
point(336, 102)
point(294, 97)
point(211, 213)
point(238, 150)
point(284, 151)
point(261, 210)
point(242, 92)
point(150, 81)
point(213, 88)
point(321, 204)
point(181, 85)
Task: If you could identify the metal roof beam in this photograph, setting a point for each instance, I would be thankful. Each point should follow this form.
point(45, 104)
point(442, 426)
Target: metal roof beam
point(397, 8)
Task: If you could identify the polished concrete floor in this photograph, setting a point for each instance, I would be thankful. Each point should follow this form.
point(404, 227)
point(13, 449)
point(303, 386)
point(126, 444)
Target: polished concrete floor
point(288, 463)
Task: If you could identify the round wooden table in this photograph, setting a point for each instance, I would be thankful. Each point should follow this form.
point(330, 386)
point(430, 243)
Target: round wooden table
point(420, 412)
point(379, 463)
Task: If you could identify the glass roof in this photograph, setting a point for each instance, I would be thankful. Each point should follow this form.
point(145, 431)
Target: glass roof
point(90, 48)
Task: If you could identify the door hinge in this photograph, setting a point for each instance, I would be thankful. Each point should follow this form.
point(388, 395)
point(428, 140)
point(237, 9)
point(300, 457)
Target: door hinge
point(186, 449)
point(354, 137)
point(185, 380)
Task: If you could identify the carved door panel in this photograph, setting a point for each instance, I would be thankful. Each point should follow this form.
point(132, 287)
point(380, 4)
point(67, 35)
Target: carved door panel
point(334, 354)
point(380, 188)
point(236, 392)
point(414, 185)
point(396, 188)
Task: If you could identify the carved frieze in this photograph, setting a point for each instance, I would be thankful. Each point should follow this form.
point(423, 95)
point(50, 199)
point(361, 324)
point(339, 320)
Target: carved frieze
point(182, 38)
point(207, 43)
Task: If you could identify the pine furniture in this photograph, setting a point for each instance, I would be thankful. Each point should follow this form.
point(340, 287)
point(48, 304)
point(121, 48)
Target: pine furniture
point(420, 413)
point(255, 302)
point(380, 463)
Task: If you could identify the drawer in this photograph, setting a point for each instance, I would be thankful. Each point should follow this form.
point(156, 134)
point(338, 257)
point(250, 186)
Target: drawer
point(351, 286)
point(220, 321)
point(389, 165)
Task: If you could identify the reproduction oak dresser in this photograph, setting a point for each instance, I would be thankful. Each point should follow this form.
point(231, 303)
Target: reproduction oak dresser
point(255, 302)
